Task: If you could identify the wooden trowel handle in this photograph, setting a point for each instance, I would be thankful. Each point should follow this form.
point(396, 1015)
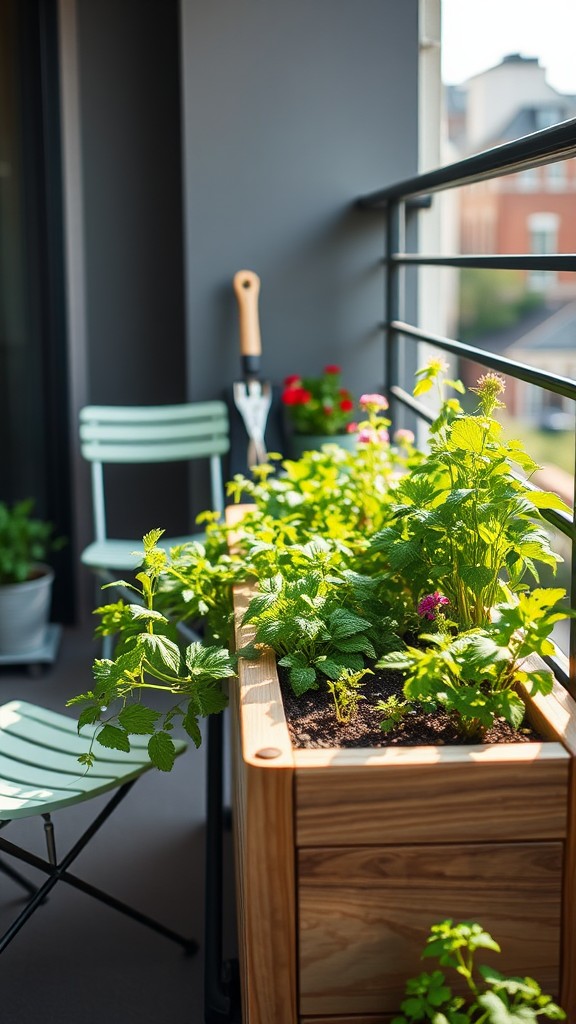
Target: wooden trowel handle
point(247, 288)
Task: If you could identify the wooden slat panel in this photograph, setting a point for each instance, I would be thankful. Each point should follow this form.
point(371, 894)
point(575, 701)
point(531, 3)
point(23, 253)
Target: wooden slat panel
point(448, 801)
point(365, 913)
point(561, 711)
point(264, 842)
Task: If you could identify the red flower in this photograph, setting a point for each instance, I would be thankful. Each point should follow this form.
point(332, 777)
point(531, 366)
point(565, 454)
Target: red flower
point(346, 405)
point(296, 396)
point(332, 369)
point(292, 380)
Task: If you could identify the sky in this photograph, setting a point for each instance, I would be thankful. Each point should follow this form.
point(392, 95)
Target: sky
point(476, 34)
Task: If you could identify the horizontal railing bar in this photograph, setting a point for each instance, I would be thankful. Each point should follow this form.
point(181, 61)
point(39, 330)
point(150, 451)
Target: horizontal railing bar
point(511, 261)
point(545, 146)
point(562, 521)
point(541, 378)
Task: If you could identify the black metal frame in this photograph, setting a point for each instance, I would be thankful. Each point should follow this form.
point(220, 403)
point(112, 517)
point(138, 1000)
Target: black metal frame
point(58, 872)
point(547, 146)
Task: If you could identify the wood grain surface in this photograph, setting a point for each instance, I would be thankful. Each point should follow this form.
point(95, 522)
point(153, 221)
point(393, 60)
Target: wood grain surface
point(364, 915)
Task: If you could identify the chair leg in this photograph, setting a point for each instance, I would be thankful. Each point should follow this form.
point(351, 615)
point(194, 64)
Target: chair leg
point(58, 872)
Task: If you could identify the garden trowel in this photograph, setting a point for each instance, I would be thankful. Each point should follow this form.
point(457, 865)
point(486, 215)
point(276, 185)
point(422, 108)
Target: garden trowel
point(252, 396)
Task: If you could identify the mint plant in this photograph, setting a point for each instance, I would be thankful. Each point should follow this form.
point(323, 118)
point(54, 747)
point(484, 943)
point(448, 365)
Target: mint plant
point(464, 523)
point(492, 998)
point(473, 674)
point(148, 657)
point(313, 634)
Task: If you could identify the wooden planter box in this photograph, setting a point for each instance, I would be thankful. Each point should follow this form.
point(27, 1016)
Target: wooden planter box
point(344, 858)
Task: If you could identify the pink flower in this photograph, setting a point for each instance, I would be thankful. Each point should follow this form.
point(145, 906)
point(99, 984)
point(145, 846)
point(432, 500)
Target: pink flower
point(369, 436)
point(352, 428)
point(428, 605)
point(373, 402)
point(404, 437)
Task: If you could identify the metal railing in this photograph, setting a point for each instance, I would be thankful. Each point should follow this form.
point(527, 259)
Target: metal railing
point(543, 147)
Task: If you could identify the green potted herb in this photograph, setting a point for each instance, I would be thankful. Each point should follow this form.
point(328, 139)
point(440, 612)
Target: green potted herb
point(25, 577)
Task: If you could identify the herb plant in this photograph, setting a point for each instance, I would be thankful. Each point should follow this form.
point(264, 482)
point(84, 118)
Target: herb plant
point(491, 997)
point(464, 523)
point(346, 693)
point(473, 674)
point(148, 657)
point(24, 541)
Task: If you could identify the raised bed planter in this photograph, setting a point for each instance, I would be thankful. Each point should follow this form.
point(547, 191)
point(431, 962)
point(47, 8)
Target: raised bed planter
point(344, 858)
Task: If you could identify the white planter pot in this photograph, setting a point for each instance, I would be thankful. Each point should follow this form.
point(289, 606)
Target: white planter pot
point(24, 612)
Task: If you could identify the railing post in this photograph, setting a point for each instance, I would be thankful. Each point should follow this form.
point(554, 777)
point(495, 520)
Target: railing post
point(394, 297)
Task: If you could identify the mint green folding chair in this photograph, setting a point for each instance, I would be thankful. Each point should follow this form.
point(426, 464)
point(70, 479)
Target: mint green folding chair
point(40, 774)
point(143, 435)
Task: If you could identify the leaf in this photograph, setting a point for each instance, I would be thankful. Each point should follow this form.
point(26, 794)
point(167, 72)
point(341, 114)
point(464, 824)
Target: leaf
point(512, 708)
point(356, 645)
point(89, 716)
point(190, 723)
point(116, 739)
point(138, 720)
point(162, 653)
point(209, 698)
point(303, 679)
point(546, 499)
point(211, 662)
point(162, 751)
point(343, 623)
point(477, 577)
point(468, 435)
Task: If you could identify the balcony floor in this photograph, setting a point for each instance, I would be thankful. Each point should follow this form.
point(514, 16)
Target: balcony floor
point(77, 961)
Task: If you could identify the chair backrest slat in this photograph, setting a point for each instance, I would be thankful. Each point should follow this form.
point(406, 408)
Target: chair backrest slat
point(153, 434)
point(156, 434)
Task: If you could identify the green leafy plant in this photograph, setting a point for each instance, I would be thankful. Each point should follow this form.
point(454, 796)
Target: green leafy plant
point(24, 541)
point(148, 657)
point(346, 693)
point(464, 522)
point(304, 621)
point(474, 674)
point(492, 998)
point(394, 711)
point(318, 405)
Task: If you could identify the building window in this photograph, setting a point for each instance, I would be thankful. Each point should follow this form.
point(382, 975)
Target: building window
point(528, 180)
point(556, 179)
point(543, 234)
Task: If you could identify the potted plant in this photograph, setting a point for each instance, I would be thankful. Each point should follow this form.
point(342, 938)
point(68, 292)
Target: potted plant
point(25, 578)
point(318, 411)
point(346, 855)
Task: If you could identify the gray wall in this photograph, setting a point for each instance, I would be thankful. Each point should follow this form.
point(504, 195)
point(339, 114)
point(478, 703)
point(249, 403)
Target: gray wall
point(130, 103)
point(290, 111)
point(129, 71)
point(224, 134)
